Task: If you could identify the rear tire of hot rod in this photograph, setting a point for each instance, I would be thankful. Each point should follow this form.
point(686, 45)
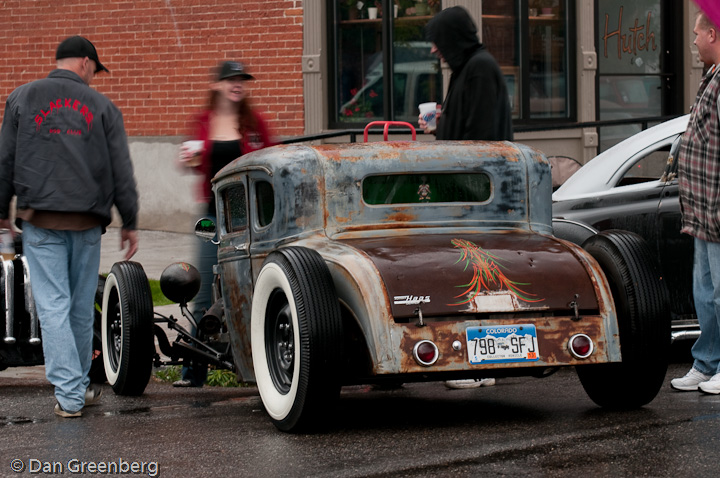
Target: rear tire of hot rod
point(296, 335)
point(643, 315)
point(127, 329)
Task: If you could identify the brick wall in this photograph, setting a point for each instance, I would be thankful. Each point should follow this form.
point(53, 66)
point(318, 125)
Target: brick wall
point(160, 54)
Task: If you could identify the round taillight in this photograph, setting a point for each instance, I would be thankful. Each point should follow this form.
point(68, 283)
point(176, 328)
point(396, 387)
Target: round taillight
point(581, 346)
point(425, 353)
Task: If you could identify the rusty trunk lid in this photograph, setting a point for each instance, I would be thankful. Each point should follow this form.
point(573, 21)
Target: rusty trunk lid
point(488, 272)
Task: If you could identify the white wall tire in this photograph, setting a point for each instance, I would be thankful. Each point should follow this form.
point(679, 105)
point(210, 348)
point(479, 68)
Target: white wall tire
point(110, 360)
point(272, 282)
point(296, 335)
point(126, 328)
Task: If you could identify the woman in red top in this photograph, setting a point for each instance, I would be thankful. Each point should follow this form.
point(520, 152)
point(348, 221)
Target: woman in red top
point(227, 128)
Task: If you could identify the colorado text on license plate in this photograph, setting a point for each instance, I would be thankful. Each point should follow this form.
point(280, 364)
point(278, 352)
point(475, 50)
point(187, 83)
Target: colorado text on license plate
point(502, 343)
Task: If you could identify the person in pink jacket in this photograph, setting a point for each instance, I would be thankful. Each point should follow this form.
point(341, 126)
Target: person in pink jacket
point(228, 128)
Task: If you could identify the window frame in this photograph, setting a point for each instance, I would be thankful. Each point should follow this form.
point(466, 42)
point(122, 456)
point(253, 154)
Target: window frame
point(226, 216)
point(524, 67)
point(436, 177)
point(388, 64)
point(522, 85)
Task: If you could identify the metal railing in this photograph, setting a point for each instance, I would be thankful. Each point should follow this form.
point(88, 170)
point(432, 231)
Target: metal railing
point(353, 133)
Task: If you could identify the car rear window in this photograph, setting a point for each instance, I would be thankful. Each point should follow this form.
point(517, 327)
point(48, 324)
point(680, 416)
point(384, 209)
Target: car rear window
point(426, 188)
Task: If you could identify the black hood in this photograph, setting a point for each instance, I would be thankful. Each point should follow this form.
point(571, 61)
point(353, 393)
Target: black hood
point(454, 33)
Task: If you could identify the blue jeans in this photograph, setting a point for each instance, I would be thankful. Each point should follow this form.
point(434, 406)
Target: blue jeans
point(706, 292)
point(64, 277)
point(206, 258)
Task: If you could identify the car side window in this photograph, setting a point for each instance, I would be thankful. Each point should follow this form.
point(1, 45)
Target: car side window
point(649, 167)
point(265, 199)
point(235, 208)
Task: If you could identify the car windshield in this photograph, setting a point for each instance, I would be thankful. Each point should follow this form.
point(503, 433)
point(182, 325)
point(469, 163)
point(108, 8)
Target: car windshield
point(426, 188)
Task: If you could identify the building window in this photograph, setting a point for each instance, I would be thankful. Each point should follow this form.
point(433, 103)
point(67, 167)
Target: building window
point(637, 64)
point(371, 37)
point(531, 40)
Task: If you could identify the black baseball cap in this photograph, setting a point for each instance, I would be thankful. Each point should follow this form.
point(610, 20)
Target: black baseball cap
point(79, 47)
point(230, 69)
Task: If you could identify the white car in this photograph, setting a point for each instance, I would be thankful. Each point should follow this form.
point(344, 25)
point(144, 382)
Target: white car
point(633, 186)
point(639, 160)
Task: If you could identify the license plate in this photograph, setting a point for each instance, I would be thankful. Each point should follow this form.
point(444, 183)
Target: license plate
point(502, 343)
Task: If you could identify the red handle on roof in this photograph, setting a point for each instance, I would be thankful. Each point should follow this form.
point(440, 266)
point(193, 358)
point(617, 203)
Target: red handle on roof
point(387, 127)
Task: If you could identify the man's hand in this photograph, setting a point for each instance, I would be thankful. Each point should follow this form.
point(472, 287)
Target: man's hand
point(131, 238)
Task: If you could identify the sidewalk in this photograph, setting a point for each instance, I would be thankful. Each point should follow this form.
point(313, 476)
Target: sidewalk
point(157, 250)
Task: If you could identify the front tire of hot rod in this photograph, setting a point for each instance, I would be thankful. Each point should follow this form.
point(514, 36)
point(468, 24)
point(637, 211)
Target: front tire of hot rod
point(643, 319)
point(127, 329)
point(97, 368)
point(296, 335)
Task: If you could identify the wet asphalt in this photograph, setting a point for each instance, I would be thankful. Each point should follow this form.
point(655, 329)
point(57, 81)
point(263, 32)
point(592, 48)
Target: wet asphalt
point(521, 427)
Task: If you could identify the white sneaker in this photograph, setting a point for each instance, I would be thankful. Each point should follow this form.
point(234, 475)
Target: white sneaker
point(690, 381)
point(712, 385)
point(470, 383)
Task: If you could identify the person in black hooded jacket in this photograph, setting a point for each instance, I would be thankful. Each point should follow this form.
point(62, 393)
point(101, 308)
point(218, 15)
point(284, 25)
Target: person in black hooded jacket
point(477, 106)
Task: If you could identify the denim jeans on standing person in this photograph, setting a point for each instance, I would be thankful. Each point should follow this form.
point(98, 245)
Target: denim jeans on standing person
point(706, 291)
point(206, 258)
point(64, 277)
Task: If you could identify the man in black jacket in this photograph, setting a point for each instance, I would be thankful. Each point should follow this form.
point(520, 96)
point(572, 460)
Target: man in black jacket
point(64, 155)
point(477, 106)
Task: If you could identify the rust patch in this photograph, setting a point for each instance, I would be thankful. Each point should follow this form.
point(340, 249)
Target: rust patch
point(552, 333)
point(345, 219)
point(378, 150)
point(400, 217)
point(427, 265)
point(504, 148)
point(238, 324)
point(384, 226)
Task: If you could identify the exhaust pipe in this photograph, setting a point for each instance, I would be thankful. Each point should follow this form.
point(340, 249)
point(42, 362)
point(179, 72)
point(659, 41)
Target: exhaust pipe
point(211, 322)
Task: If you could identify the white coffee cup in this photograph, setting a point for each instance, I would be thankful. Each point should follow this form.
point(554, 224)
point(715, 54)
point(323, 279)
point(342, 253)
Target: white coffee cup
point(428, 113)
point(372, 13)
point(194, 149)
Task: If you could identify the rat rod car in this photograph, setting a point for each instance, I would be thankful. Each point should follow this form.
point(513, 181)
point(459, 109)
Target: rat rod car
point(420, 261)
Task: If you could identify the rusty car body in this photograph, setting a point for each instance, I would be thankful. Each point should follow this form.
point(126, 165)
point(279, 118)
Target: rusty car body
point(408, 261)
